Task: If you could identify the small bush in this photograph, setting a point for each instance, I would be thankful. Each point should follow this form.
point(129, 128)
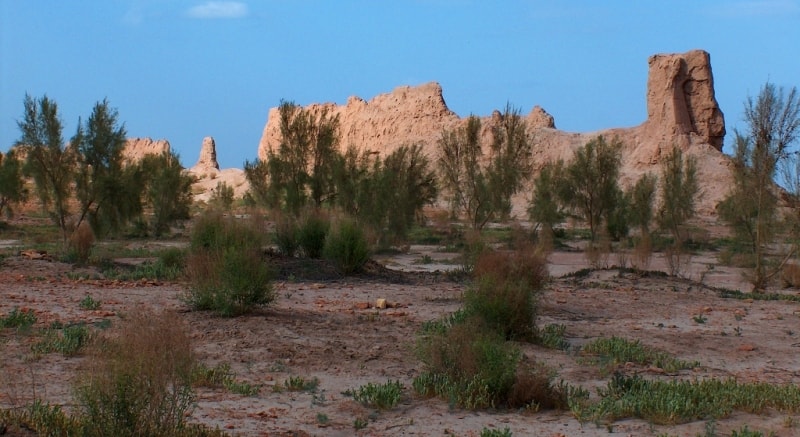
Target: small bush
point(552, 337)
point(222, 197)
point(40, 418)
point(88, 303)
point(81, 242)
point(615, 350)
point(504, 293)
point(676, 401)
point(213, 377)
point(505, 432)
point(67, 341)
point(222, 376)
point(469, 365)
point(474, 246)
point(137, 382)
point(213, 231)
point(20, 319)
point(286, 237)
point(298, 383)
point(347, 247)
point(790, 275)
point(225, 267)
point(172, 258)
point(230, 283)
point(312, 233)
point(380, 396)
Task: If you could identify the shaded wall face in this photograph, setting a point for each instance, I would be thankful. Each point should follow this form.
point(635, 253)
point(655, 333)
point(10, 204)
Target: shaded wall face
point(680, 97)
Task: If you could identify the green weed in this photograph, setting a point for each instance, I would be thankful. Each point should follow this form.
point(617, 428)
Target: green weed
point(380, 396)
point(673, 402)
point(312, 233)
point(221, 375)
point(610, 352)
point(487, 432)
point(347, 247)
point(298, 383)
point(552, 337)
point(88, 303)
point(736, 294)
point(22, 320)
point(359, 423)
point(67, 341)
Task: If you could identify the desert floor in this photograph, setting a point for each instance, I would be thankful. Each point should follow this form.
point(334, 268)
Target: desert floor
point(322, 329)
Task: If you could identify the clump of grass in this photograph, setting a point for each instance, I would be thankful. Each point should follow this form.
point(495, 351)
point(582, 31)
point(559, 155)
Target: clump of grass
point(737, 294)
point(747, 432)
point(285, 236)
point(467, 356)
point(468, 365)
point(360, 423)
point(552, 337)
point(505, 291)
point(613, 351)
point(221, 375)
point(22, 320)
point(225, 267)
point(488, 432)
point(673, 402)
point(67, 341)
point(298, 383)
point(40, 418)
point(169, 266)
point(88, 303)
point(347, 247)
point(137, 381)
point(312, 233)
point(380, 396)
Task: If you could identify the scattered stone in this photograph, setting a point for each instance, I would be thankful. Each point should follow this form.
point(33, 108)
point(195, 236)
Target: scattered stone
point(746, 348)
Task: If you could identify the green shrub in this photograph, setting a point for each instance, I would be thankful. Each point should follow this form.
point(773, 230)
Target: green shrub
point(213, 231)
point(42, 419)
point(138, 381)
point(286, 237)
point(469, 365)
point(172, 257)
point(467, 356)
point(311, 234)
point(298, 383)
point(229, 283)
point(674, 401)
point(169, 266)
point(226, 269)
point(380, 396)
point(347, 247)
point(505, 432)
point(746, 432)
point(615, 350)
point(20, 319)
point(222, 376)
point(88, 303)
point(552, 337)
point(66, 341)
point(504, 291)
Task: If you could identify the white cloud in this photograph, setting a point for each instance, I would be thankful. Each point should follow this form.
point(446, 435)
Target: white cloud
point(219, 9)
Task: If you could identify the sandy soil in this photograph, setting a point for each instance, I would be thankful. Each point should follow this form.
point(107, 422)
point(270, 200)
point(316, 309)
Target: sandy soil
point(319, 330)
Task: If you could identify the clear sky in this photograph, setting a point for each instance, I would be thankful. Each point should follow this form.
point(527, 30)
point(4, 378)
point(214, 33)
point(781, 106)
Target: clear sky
point(185, 69)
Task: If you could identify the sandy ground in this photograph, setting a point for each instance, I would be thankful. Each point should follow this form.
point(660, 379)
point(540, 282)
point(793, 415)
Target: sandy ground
point(318, 330)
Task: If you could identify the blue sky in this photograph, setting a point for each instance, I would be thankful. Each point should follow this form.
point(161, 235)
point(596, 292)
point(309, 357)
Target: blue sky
point(183, 69)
